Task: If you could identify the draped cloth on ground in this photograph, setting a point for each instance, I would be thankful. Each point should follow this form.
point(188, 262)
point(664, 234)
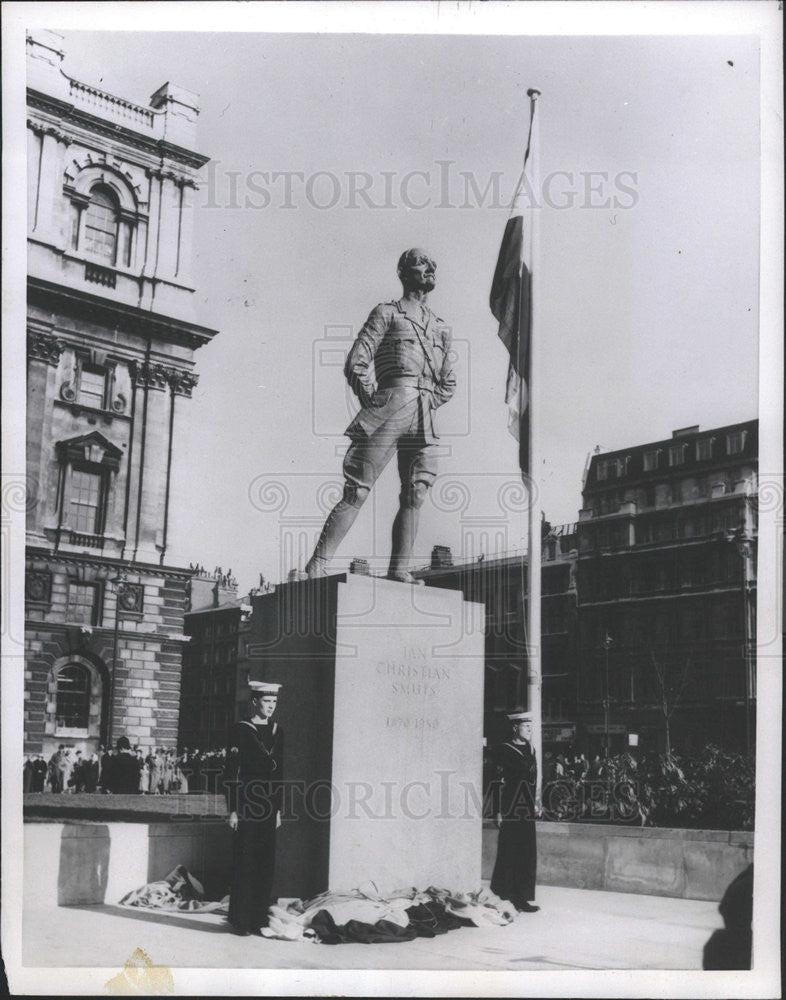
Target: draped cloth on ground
point(179, 891)
point(365, 916)
point(352, 915)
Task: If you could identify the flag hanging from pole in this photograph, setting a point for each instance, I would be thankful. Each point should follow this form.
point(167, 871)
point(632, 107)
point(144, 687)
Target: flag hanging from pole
point(511, 292)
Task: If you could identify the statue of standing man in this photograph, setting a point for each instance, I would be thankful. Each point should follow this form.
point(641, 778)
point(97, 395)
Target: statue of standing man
point(400, 368)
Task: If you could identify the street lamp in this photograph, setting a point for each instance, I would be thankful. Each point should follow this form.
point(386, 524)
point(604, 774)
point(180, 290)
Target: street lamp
point(744, 546)
point(607, 641)
point(120, 583)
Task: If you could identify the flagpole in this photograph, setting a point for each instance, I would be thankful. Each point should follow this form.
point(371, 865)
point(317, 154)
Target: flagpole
point(534, 673)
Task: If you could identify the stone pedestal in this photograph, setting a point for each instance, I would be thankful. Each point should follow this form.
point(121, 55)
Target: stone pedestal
point(382, 711)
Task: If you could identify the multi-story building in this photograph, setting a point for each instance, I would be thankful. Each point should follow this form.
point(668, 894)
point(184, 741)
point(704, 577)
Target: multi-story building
point(216, 665)
point(111, 342)
point(500, 583)
point(667, 590)
point(214, 621)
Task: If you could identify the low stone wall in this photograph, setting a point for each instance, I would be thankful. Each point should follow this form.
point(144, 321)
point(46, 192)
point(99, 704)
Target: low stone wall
point(689, 864)
point(122, 808)
point(80, 863)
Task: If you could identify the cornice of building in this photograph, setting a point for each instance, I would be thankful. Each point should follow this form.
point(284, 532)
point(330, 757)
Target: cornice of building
point(76, 558)
point(630, 511)
point(681, 438)
point(682, 595)
point(701, 467)
point(93, 632)
point(67, 113)
point(667, 476)
point(209, 609)
point(130, 318)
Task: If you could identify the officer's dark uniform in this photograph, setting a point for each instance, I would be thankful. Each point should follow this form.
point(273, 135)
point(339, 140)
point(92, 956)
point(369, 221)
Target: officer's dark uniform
point(254, 788)
point(401, 370)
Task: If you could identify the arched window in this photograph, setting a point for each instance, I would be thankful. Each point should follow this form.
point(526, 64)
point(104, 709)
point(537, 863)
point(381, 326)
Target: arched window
point(101, 217)
point(73, 697)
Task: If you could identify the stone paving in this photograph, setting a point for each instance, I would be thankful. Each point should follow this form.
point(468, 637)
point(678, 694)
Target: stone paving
point(575, 929)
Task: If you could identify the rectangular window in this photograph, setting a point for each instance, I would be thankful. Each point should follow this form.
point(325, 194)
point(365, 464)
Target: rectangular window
point(677, 454)
point(663, 495)
point(101, 230)
point(704, 450)
point(735, 442)
point(82, 606)
point(85, 501)
point(603, 470)
point(92, 387)
point(651, 460)
point(73, 697)
point(688, 528)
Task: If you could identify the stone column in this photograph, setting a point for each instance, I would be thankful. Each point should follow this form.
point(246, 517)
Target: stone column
point(169, 227)
point(152, 413)
point(50, 215)
point(43, 351)
point(186, 235)
point(34, 141)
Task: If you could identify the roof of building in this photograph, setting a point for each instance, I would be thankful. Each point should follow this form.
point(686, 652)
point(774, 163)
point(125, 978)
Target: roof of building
point(628, 464)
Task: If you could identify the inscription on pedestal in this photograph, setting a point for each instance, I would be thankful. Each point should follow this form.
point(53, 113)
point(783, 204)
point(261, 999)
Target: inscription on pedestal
point(407, 739)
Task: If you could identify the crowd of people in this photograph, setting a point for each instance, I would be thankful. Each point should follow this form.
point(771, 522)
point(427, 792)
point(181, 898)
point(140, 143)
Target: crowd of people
point(125, 769)
point(576, 766)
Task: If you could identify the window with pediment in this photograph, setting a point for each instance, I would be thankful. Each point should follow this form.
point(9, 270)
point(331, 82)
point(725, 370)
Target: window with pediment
point(87, 467)
point(84, 499)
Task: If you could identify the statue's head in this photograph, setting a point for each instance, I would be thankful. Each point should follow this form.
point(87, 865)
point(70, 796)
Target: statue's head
point(417, 270)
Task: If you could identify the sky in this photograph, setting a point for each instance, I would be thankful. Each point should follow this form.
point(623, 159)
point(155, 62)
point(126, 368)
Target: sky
point(648, 267)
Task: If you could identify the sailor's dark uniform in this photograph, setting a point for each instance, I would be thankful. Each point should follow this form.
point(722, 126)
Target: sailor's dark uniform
point(516, 865)
point(254, 790)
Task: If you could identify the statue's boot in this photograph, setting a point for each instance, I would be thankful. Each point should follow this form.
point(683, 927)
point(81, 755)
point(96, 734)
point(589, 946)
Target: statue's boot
point(405, 528)
point(338, 523)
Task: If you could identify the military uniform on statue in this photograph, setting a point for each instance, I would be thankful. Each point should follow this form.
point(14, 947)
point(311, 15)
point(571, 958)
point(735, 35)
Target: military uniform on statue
point(516, 865)
point(400, 368)
point(253, 783)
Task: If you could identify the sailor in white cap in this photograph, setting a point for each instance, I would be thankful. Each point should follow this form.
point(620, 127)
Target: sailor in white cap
point(254, 790)
point(516, 865)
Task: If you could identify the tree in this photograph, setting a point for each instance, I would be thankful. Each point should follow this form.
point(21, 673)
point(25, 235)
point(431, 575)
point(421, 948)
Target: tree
point(672, 673)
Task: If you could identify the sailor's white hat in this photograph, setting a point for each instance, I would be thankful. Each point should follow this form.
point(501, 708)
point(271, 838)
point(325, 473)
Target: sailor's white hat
point(263, 687)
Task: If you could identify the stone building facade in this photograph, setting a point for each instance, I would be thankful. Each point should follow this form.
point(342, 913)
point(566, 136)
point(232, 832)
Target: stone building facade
point(111, 340)
point(648, 615)
point(667, 591)
point(212, 686)
point(501, 584)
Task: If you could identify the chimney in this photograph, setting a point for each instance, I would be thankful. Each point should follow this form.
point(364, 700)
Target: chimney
point(180, 109)
point(441, 557)
point(44, 57)
point(359, 566)
point(685, 431)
